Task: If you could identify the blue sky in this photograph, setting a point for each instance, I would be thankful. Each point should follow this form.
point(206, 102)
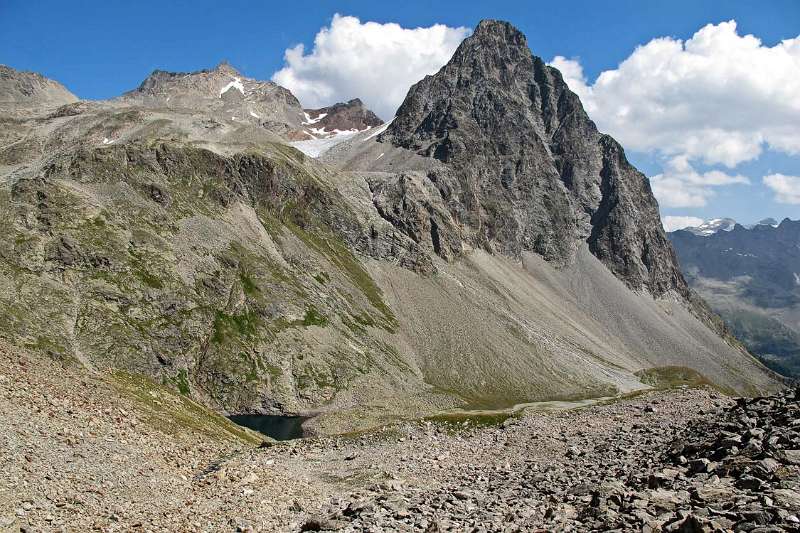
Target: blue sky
point(101, 49)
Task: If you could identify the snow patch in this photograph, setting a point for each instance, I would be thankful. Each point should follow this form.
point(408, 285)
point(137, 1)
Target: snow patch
point(380, 129)
point(310, 120)
point(317, 147)
point(322, 133)
point(106, 140)
point(713, 226)
point(235, 84)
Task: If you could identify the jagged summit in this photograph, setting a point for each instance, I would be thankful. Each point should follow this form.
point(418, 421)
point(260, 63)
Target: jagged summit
point(527, 169)
point(225, 67)
point(498, 31)
point(224, 91)
point(159, 78)
point(351, 116)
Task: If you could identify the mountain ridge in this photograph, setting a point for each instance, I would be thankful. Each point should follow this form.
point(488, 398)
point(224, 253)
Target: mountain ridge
point(165, 233)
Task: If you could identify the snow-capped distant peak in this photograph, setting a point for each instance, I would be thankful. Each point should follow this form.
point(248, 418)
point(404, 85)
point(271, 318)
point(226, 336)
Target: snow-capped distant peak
point(235, 84)
point(765, 222)
point(712, 226)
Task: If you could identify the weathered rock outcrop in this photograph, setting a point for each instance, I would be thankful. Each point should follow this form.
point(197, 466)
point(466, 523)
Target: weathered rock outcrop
point(525, 167)
point(347, 116)
point(226, 93)
point(30, 90)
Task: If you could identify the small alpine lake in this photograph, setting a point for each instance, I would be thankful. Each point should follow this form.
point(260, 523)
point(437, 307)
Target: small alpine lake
point(278, 427)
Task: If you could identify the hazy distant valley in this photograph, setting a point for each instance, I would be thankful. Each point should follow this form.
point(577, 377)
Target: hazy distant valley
point(751, 277)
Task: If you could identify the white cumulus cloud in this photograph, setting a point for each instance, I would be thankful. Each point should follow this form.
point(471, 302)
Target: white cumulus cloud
point(680, 185)
point(786, 188)
point(719, 98)
point(375, 62)
point(672, 223)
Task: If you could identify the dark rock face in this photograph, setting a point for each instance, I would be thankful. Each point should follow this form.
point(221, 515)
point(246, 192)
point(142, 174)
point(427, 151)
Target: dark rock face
point(348, 116)
point(527, 169)
point(409, 204)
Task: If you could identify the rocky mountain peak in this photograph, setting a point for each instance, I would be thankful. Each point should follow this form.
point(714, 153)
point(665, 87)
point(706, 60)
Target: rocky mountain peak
point(765, 222)
point(226, 93)
point(497, 27)
point(497, 34)
point(21, 89)
point(526, 169)
point(350, 116)
point(226, 68)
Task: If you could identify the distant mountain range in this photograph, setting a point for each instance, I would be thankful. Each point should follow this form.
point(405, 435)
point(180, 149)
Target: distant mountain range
point(751, 277)
point(714, 225)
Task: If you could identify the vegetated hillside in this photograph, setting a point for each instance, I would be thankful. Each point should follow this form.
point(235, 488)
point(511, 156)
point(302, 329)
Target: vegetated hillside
point(751, 277)
point(167, 234)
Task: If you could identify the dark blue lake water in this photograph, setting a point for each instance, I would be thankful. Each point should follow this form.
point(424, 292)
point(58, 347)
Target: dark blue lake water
point(278, 427)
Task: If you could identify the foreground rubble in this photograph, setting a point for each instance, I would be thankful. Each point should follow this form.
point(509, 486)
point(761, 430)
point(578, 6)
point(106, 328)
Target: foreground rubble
point(79, 454)
point(677, 461)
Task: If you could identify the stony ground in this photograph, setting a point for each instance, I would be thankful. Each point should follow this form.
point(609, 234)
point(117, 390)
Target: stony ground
point(77, 453)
